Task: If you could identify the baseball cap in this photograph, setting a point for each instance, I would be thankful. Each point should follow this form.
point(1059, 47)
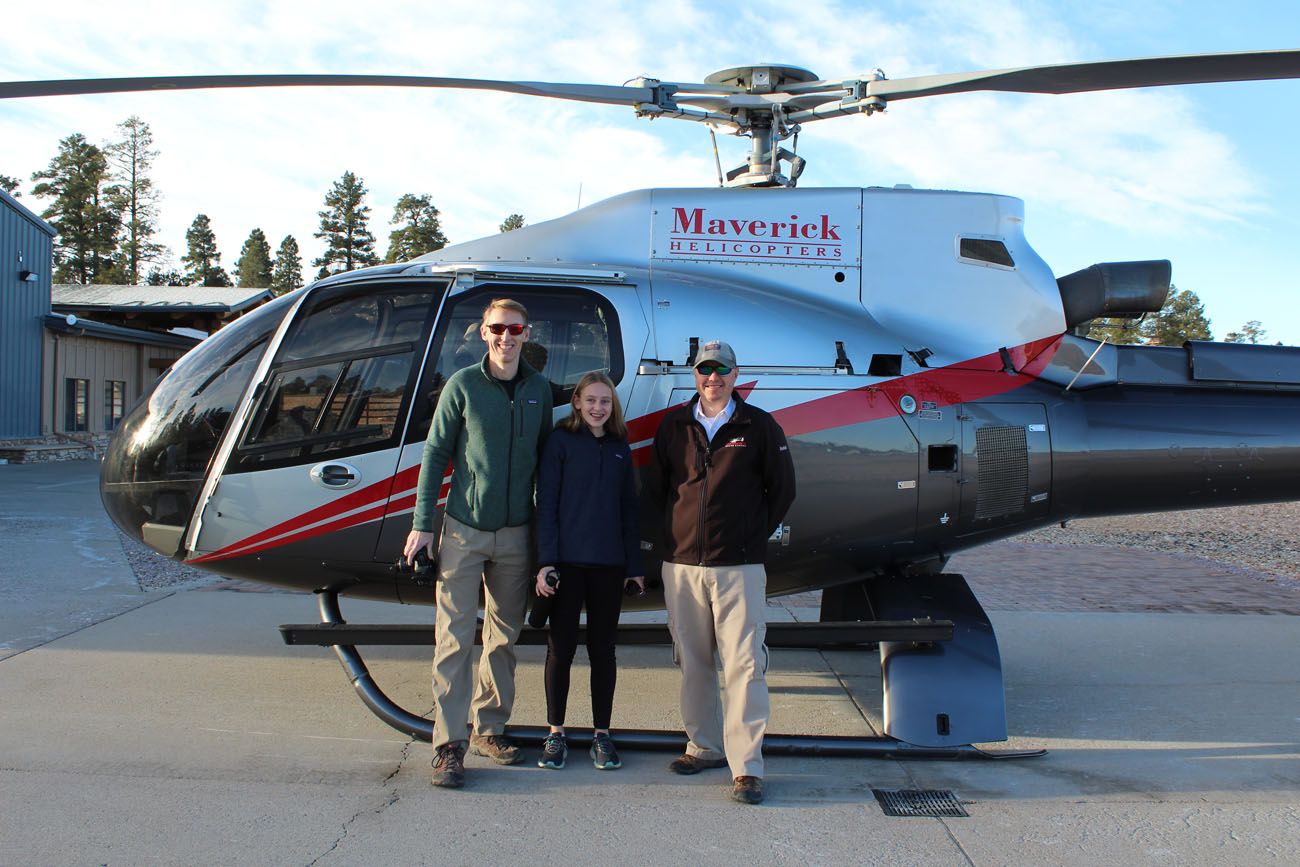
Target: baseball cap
point(716, 350)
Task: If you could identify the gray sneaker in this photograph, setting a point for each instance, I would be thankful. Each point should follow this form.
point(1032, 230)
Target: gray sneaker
point(603, 754)
point(449, 766)
point(554, 751)
point(498, 748)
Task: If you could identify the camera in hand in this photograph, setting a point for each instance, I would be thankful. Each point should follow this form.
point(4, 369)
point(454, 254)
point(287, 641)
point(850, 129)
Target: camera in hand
point(424, 567)
point(541, 610)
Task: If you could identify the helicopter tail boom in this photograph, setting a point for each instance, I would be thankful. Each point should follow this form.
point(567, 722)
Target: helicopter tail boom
point(1162, 428)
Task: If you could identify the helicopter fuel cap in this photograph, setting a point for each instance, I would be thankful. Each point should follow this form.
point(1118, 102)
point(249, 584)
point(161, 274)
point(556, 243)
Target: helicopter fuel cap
point(907, 404)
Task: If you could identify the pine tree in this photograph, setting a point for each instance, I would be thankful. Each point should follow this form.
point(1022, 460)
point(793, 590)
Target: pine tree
point(512, 222)
point(286, 273)
point(1116, 330)
point(1252, 332)
point(78, 181)
point(203, 261)
point(160, 276)
point(1182, 318)
point(10, 186)
point(343, 226)
point(135, 199)
point(253, 267)
point(421, 231)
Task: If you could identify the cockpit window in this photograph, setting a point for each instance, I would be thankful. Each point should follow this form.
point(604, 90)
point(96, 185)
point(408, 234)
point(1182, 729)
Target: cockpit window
point(156, 464)
point(340, 379)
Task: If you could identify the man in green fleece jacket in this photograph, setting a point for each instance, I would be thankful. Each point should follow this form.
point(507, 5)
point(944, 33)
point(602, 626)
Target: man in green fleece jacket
point(489, 425)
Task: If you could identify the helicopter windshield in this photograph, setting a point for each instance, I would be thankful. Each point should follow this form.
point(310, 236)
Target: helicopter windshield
point(155, 466)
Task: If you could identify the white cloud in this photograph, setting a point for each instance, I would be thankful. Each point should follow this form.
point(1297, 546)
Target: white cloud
point(1149, 161)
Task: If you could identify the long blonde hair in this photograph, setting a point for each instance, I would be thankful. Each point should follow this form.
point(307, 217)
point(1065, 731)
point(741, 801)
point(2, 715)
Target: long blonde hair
point(614, 425)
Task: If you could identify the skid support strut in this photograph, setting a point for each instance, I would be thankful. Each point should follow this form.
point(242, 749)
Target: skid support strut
point(421, 728)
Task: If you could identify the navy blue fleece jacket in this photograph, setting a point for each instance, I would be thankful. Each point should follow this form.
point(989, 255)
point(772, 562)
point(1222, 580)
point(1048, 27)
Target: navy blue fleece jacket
point(587, 508)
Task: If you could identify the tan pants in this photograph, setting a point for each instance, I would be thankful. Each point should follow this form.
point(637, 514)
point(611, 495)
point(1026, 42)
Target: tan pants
point(498, 562)
point(721, 609)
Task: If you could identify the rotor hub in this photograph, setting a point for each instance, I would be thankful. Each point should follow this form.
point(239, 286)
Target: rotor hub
point(763, 78)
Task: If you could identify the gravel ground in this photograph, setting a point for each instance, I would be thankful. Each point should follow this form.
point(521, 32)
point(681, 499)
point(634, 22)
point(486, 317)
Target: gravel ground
point(153, 571)
point(1257, 538)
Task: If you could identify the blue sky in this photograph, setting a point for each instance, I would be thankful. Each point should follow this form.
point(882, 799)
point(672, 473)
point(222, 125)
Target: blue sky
point(1206, 176)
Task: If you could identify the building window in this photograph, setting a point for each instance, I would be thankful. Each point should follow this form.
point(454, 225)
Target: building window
point(114, 403)
point(76, 405)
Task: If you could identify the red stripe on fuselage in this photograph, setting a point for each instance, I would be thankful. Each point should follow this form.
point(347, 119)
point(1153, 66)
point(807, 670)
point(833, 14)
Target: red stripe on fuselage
point(971, 380)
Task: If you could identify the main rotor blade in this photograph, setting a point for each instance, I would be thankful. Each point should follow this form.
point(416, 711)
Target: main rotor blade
point(608, 94)
point(1101, 75)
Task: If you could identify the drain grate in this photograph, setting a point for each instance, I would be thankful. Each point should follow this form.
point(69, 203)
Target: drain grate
point(919, 802)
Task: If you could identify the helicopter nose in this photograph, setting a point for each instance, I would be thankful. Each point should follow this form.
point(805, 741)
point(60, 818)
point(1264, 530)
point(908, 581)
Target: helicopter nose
point(157, 462)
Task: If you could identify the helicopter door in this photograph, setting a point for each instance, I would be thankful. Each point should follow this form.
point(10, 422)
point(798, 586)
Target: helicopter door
point(310, 472)
point(1006, 465)
point(574, 331)
point(857, 483)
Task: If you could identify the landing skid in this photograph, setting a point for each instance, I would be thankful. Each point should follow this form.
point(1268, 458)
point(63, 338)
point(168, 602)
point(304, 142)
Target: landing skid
point(333, 627)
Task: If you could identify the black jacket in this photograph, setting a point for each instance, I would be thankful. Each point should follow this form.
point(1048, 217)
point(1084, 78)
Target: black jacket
point(719, 501)
point(587, 510)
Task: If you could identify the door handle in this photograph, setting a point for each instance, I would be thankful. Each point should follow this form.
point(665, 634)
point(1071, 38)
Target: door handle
point(335, 476)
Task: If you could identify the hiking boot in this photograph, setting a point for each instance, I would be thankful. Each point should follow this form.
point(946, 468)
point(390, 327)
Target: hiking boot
point(554, 751)
point(689, 764)
point(603, 754)
point(747, 790)
point(498, 748)
point(449, 766)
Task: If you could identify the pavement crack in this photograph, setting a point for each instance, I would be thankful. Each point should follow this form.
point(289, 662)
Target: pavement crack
point(390, 797)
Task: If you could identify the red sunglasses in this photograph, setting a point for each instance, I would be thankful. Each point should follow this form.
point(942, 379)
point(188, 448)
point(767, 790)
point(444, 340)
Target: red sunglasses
point(502, 328)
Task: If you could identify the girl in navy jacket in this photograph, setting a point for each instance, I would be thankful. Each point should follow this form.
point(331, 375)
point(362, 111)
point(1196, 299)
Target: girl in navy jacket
point(588, 531)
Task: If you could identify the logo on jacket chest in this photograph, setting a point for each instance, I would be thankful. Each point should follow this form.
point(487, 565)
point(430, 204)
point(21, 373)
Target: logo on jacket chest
point(735, 443)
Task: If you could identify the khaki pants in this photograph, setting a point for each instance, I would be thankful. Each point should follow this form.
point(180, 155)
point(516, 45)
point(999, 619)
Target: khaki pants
point(467, 559)
point(721, 609)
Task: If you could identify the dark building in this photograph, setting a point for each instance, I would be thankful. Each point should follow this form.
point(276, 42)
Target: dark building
point(73, 359)
point(26, 253)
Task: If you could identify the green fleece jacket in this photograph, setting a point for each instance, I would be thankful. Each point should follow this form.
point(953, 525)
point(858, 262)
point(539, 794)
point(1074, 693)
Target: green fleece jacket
point(491, 442)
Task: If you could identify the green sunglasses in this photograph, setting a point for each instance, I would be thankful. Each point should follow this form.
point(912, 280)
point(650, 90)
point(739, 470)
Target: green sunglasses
point(707, 369)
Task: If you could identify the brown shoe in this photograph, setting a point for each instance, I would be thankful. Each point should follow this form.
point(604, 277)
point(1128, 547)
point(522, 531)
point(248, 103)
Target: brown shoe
point(689, 764)
point(449, 766)
point(747, 790)
point(498, 748)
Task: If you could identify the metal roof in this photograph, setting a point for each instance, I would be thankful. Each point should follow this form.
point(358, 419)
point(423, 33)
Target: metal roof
point(22, 209)
point(78, 326)
point(216, 299)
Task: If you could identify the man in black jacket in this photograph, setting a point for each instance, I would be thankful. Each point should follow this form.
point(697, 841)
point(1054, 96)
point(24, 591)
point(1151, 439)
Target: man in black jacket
point(721, 479)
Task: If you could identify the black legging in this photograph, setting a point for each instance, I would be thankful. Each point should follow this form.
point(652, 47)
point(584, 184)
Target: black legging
point(601, 589)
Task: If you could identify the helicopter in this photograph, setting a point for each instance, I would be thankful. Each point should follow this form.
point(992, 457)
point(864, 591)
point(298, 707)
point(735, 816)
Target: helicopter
point(933, 376)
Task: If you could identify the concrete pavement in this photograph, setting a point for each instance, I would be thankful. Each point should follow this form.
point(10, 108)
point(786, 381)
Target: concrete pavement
point(179, 729)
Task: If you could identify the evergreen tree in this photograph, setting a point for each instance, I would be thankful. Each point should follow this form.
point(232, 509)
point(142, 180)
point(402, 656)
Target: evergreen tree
point(286, 274)
point(82, 213)
point(420, 232)
point(10, 186)
point(514, 221)
point(344, 227)
point(1116, 330)
point(253, 267)
point(1252, 332)
point(1182, 318)
point(160, 276)
point(135, 199)
point(203, 261)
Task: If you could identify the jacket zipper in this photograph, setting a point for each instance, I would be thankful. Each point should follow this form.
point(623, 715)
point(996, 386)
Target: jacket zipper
point(510, 459)
point(704, 493)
